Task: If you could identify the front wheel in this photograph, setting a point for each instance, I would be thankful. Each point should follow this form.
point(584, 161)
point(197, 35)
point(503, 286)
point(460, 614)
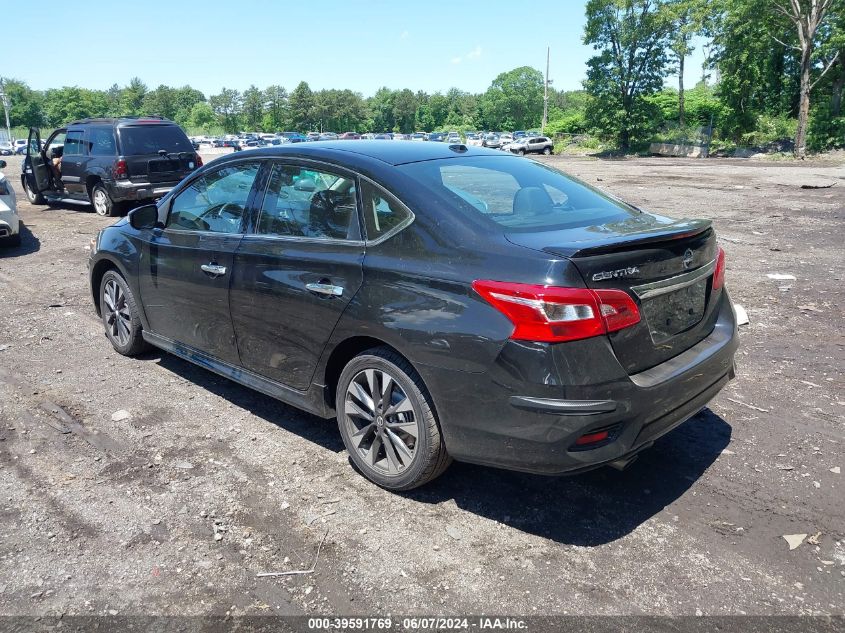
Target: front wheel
point(387, 420)
point(33, 196)
point(120, 315)
point(102, 202)
point(521, 152)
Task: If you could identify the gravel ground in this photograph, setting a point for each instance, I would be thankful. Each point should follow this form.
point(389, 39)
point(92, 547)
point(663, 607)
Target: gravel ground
point(177, 505)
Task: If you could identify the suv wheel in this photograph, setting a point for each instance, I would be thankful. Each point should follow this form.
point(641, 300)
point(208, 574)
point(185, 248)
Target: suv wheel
point(102, 202)
point(34, 197)
point(547, 150)
point(120, 315)
point(387, 421)
point(521, 152)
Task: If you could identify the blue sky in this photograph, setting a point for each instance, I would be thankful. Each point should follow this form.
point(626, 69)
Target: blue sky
point(361, 45)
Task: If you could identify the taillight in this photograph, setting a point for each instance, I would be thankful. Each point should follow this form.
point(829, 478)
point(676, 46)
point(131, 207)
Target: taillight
point(719, 272)
point(121, 171)
point(199, 160)
point(552, 315)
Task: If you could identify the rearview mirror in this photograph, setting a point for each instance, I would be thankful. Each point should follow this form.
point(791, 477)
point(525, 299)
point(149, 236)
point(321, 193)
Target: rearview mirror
point(145, 217)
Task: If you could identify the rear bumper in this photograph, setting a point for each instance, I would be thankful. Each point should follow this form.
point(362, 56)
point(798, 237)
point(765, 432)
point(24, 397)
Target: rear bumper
point(529, 419)
point(9, 226)
point(125, 190)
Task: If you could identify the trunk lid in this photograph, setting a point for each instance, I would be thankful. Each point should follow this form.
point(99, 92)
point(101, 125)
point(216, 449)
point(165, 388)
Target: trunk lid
point(665, 265)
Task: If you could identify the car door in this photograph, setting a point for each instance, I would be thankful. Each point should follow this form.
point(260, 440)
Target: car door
point(186, 267)
point(73, 156)
point(36, 168)
point(296, 270)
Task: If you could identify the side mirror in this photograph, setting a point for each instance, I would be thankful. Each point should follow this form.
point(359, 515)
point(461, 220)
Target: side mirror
point(145, 217)
point(2, 164)
point(305, 184)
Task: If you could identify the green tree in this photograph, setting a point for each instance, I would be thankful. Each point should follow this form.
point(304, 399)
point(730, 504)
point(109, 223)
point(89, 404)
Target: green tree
point(63, 105)
point(227, 107)
point(381, 110)
point(808, 17)
point(404, 111)
point(301, 103)
point(26, 106)
point(160, 101)
point(184, 99)
point(687, 19)
point(253, 108)
point(276, 115)
point(201, 116)
point(514, 100)
point(631, 38)
point(131, 100)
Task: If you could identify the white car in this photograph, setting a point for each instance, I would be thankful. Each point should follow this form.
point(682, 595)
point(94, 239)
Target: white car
point(10, 225)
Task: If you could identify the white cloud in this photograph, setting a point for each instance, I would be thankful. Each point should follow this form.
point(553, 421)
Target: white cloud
point(474, 53)
point(456, 60)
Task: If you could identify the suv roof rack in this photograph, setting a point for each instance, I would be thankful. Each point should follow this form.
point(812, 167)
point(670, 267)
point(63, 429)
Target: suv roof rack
point(118, 119)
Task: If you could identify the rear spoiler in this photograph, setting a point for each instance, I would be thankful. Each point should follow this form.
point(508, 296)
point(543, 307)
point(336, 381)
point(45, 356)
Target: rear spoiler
point(677, 231)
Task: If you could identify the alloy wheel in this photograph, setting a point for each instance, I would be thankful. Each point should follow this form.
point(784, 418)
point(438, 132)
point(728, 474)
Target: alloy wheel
point(381, 421)
point(101, 205)
point(117, 317)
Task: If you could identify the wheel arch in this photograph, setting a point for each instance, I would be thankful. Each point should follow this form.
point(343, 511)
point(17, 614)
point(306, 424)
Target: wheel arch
point(98, 271)
point(344, 352)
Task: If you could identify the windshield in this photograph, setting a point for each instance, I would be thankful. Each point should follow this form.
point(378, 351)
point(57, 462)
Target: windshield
point(138, 140)
point(517, 194)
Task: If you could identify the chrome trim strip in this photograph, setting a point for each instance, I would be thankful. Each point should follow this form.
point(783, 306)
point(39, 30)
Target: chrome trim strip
point(563, 407)
point(665, 286)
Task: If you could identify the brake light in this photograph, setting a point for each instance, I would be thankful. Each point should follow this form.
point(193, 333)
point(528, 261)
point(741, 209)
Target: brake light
point(199, 160)
point(552, 314)
point(121, 171)
point(719, 272)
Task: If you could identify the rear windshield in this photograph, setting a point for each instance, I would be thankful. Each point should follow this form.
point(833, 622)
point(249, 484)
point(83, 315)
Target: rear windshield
point(149, 139)
point(518, 194)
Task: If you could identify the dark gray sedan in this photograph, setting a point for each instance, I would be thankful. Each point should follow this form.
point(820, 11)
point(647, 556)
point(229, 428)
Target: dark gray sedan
point(441, 302)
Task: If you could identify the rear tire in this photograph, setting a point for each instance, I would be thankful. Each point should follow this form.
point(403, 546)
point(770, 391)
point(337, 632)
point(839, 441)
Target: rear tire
point(120, 315)
point(387, 421)
point(547, 150)
point(102, 202)
point(34, 197)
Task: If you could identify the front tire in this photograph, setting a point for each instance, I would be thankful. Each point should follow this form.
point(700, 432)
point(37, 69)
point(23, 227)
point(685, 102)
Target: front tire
point(11, 241)
point(102, 202)
point(120, 315)
point(387, 421)
point(34, 197)
point(521, 152)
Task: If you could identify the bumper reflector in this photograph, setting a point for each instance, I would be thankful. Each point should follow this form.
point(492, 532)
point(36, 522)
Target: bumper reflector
point(592, 438)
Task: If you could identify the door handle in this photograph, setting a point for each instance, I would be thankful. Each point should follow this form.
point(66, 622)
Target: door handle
point(326, 289)
point(213, 269)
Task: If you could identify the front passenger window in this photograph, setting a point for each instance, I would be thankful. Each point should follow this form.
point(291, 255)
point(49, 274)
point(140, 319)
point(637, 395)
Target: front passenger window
point(216, 201)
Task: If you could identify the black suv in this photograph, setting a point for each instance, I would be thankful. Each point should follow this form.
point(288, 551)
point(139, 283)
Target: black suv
point(110, 163)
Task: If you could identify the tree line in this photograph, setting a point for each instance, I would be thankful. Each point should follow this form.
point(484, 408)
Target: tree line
point(773, 69)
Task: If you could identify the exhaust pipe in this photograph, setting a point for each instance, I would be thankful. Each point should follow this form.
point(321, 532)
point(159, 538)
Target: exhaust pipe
point(623, 462)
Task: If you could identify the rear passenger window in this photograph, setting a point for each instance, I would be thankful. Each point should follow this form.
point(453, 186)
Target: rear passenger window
point(73, 144)
point(308, 203)
point(101, 141)
point(382, 211)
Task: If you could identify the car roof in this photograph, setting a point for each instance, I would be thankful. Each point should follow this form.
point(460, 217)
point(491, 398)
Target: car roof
point(384, 151)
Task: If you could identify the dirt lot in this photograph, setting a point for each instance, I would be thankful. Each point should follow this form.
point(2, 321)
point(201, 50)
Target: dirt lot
point(206, 484)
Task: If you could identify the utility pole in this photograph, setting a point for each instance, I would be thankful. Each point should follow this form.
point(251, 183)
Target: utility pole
point(5, 100)
point(545, 96)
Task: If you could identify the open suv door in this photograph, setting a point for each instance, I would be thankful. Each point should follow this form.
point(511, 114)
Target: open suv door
point(36, 177)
